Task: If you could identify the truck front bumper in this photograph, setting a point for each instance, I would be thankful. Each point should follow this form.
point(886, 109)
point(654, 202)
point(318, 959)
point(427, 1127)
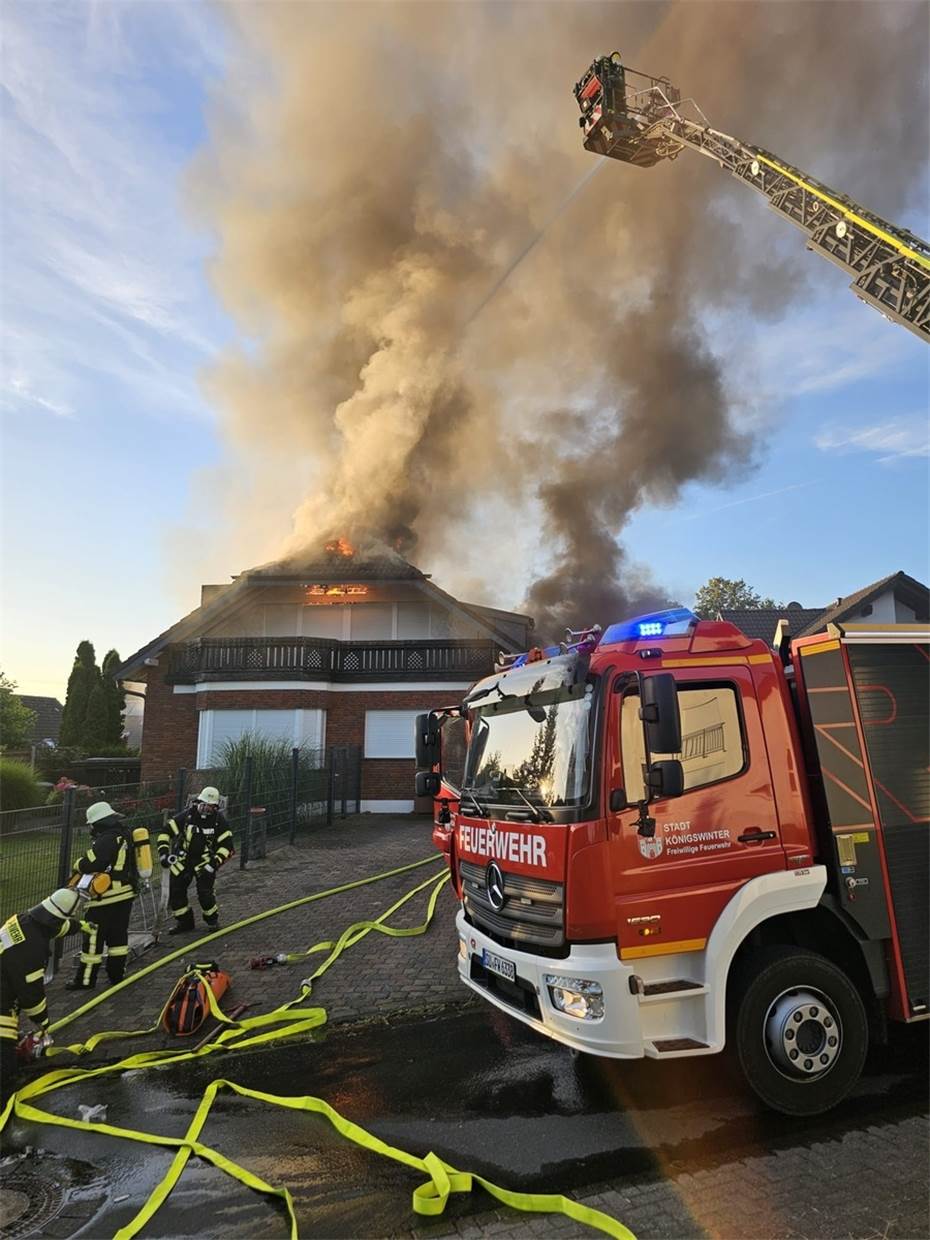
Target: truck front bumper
point(617, 1034)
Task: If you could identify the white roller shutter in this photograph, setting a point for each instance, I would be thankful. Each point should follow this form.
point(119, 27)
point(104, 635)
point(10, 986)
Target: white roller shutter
point(390, 733)
point(296, 727)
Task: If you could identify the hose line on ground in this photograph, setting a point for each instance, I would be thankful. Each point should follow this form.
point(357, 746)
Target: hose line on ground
point(289, 1020)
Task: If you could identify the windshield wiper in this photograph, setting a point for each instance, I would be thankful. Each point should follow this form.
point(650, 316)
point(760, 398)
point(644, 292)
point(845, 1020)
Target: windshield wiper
point(467, 792)
point(536, 810)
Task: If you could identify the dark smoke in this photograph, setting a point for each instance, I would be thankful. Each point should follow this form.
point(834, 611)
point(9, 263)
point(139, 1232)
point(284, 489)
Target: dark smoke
point(372, 187)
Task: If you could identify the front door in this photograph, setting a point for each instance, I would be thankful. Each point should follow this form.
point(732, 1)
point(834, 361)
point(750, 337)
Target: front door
point(721, 832)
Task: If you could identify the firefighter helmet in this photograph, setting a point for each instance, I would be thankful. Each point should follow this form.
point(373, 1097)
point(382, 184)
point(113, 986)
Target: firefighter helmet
point(209, 796)
point(100, 810)
point(62, 903)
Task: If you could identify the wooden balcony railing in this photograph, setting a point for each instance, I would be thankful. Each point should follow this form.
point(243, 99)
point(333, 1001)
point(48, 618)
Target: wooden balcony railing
point(318, 658)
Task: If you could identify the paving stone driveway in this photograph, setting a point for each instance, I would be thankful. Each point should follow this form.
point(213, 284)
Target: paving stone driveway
point(870, 1184)
point(378, 976)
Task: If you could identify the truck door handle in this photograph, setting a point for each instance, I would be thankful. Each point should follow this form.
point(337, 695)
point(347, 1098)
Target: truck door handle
point(755, 836)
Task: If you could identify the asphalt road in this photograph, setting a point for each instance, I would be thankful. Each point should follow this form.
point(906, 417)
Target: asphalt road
point(485, 1094)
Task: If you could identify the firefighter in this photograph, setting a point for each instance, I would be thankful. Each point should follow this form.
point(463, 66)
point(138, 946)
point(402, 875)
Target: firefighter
point(25, 939)
point(111, 853)
point(192, 846)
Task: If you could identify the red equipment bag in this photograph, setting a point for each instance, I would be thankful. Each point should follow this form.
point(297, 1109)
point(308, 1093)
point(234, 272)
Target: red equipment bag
point(189, 1006)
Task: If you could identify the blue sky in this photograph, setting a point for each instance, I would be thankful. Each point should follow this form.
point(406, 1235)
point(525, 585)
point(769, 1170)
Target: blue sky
point(109, 321)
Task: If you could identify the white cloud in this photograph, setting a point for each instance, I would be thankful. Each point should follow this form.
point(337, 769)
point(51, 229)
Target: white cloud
point(891, 440)
point(104, 297)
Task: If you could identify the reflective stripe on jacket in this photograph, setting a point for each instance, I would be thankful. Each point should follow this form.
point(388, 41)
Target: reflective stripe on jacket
point(110, 853)
point(196, 838)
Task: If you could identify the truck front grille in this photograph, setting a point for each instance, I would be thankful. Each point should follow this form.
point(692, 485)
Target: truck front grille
point(533, 911)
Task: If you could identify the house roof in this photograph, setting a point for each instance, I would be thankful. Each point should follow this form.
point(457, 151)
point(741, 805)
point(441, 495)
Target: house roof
point(909, 590)
point(382, 566)
point(761, 622)
point(48, 716)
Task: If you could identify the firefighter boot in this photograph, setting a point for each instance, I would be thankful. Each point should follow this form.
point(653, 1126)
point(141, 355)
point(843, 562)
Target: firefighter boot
point(85, 977)
point(184, 923)
point(116, 965)
point(212, 921)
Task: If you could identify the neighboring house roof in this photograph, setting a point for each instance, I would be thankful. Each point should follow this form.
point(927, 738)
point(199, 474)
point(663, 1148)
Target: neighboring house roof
point(48, 716)
point(908, 590)
point(388, 566)
point(761, 622)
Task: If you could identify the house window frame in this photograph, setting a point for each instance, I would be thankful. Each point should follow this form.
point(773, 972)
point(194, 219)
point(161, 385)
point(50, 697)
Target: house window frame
point(206, 720)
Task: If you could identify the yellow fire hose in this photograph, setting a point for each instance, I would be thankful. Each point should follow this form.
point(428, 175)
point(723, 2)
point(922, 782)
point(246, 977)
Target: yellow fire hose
point(287, 1021)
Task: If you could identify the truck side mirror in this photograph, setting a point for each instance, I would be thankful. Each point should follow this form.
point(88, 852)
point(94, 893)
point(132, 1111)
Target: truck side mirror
point(665, 779)
point(427, 741)
point(427, 783)
point(660, 713)
point(618, 800)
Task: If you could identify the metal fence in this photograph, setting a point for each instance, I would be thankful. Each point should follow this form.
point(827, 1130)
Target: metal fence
point(267, 805)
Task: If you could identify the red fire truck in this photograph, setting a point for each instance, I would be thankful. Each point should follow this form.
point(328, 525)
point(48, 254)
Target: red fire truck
point(666, 835)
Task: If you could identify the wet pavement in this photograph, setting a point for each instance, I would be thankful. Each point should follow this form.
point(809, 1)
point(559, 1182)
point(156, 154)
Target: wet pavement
point(672, 1149)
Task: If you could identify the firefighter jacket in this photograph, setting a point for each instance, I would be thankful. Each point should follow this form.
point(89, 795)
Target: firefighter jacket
point(195, 840)
point(24, 949)
point(111, 853)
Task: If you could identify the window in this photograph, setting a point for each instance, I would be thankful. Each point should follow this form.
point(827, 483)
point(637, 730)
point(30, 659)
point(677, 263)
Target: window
point(217, 727)
point(454, 746)
point(712, 742)
point(390, 733)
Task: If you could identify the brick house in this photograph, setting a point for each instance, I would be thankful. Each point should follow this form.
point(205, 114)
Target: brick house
point(342, 651)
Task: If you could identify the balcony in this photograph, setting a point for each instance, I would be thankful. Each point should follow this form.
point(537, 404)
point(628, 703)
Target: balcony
point(321, 659)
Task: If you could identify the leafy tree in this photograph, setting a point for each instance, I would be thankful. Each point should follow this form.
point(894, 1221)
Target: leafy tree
point(116, 699)
point(85, 675)
point(536, 770)
point(723, 594)
point(16, 720)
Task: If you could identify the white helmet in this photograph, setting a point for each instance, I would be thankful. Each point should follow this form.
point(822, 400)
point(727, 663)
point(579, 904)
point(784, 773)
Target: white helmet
point(99, 810)
point(62, 903)
point(209, 796)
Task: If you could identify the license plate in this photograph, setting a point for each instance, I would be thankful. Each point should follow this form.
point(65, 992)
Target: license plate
point(497, 964)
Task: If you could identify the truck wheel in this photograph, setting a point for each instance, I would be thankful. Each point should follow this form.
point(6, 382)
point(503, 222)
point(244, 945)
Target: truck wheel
point(801, 1031)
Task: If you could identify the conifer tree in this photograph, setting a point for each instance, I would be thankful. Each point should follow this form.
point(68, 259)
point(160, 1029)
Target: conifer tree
point(96, 720)
point(85, 675)
point(116, 699)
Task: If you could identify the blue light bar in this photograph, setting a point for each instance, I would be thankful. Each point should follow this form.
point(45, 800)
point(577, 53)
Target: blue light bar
point(676, 622)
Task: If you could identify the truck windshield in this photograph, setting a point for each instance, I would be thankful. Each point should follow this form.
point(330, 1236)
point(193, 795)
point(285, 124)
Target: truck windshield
point(514, 758)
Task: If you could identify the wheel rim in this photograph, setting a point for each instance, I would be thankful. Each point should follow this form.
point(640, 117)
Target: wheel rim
point(803, 1033)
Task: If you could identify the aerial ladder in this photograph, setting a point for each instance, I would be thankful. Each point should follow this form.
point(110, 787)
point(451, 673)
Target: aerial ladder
point(641, 120)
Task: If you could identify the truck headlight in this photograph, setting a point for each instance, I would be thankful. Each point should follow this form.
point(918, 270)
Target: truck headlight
point(576, 996)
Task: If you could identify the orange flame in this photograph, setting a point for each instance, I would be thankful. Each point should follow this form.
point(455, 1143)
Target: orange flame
point(340, 546)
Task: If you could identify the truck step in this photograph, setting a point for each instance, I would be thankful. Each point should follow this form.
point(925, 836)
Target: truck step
point(672, 989)
point(669, 1046)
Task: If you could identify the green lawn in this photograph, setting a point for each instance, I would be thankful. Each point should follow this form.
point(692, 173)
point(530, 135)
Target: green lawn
point(29, 866)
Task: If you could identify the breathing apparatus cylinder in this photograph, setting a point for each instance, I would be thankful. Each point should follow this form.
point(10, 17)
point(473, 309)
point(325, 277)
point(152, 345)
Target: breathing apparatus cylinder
point(143, 846)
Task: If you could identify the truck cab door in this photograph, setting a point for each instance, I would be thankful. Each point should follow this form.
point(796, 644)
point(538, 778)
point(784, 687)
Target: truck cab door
point(722, 831)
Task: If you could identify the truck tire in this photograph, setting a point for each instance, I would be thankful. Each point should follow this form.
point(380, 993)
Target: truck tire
point(801, 1030)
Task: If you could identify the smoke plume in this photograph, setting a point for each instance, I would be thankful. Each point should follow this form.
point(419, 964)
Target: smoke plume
point(472, 340)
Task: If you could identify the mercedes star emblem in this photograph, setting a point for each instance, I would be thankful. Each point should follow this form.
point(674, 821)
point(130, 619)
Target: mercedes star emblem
point(494, 884)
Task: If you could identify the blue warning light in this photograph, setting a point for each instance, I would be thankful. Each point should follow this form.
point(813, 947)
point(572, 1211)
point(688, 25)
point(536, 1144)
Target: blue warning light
point(676, 622)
